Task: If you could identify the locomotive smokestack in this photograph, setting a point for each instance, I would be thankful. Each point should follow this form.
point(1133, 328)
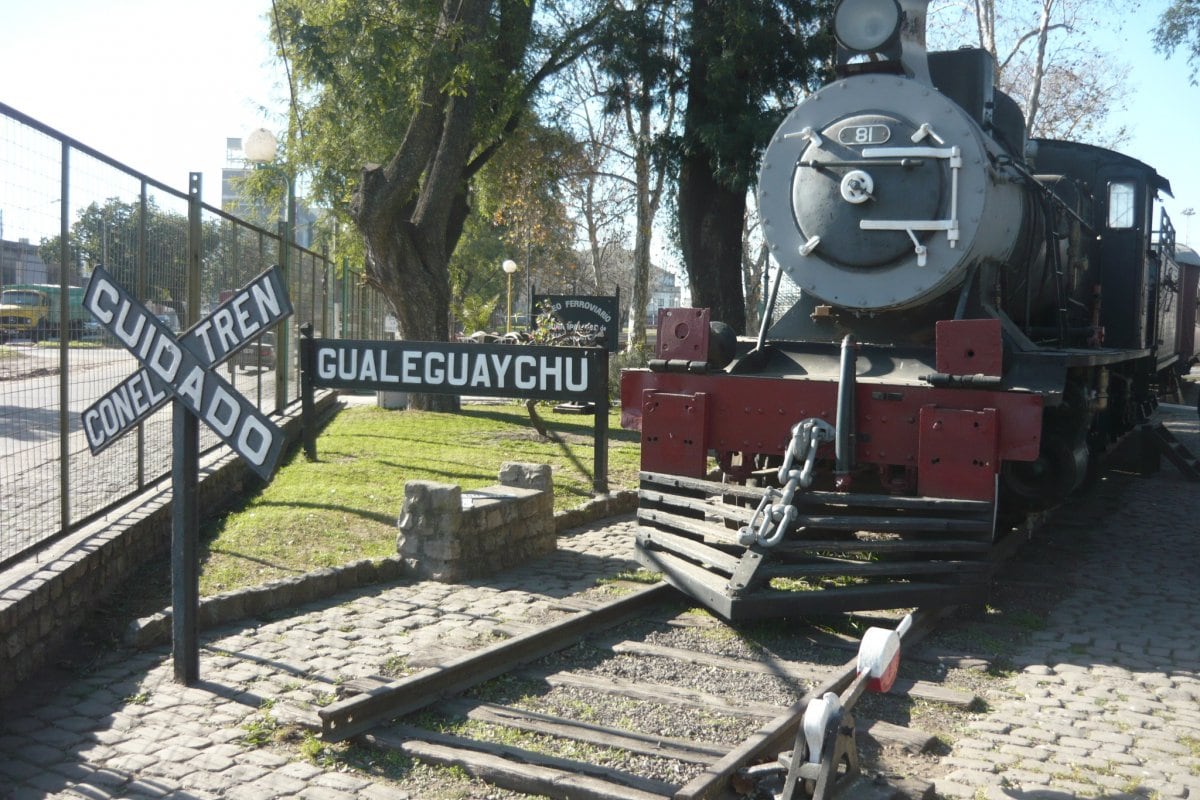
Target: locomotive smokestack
point(912, 39)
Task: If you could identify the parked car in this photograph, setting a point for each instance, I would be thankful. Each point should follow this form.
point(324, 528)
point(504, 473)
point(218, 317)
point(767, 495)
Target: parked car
point(258, 354)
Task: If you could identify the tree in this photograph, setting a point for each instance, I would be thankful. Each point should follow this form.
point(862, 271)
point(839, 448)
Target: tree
point(641, 62)
point(1179, 26)
point(1045, 61)
point(400, 106)
point(154, 267)
point(745, 59)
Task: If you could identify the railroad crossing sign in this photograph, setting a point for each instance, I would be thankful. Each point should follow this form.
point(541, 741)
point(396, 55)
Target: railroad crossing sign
point(184, 368)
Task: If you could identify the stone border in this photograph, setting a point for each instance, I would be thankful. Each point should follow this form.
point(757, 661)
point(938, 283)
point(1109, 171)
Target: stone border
point(321, 584)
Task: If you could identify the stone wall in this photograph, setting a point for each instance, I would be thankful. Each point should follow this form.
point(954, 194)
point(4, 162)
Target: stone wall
point(46, 598)
point(447, 534)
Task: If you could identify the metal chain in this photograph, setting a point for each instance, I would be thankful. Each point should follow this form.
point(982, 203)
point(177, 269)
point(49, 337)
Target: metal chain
point(807, 436)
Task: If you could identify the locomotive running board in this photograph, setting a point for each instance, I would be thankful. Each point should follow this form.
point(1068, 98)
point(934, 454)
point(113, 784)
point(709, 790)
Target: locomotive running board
point(847, 552)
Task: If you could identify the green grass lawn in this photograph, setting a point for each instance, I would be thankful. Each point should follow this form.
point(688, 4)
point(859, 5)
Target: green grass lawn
point(344, 506)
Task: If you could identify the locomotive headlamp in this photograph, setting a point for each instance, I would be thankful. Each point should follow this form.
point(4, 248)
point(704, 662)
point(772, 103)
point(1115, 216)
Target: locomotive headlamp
point(866, 26)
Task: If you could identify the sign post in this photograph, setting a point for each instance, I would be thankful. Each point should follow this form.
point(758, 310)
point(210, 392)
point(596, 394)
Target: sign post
point(183, 370)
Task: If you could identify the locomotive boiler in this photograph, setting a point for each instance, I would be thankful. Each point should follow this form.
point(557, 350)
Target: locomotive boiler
point(978, 317)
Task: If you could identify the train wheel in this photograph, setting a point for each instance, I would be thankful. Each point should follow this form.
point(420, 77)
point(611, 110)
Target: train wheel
point(1059, 469)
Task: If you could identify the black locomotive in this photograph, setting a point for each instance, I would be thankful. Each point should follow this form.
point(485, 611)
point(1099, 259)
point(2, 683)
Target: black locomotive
point(979, 317)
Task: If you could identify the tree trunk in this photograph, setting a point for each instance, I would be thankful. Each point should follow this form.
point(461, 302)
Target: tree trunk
point(411, 211)
point(710, 236)
point(644, 226)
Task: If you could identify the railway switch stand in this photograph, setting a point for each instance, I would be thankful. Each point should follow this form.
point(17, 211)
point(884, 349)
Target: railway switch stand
point(823, 763)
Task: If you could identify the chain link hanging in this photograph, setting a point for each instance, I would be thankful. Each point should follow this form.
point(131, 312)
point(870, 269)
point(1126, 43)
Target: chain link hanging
point(807, 436)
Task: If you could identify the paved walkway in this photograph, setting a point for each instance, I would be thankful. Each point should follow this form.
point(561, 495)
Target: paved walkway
point(128, 730)
point(1107, 703)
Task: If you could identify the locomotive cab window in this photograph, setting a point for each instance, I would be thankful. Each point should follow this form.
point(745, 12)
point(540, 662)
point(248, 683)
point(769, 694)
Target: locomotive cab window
point(1121, 206)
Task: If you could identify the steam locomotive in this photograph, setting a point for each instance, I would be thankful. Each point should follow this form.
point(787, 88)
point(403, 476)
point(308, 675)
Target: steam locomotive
point(980, 315)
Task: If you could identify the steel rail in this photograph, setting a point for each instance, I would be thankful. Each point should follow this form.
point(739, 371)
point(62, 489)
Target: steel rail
point(776, 736)
point(361, 713)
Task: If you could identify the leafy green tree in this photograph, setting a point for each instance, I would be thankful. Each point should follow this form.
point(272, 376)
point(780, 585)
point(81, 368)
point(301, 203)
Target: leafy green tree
point(641, 62)
point(150, 261)
point(397, 109)
point(1179, 27)
point(746, 61)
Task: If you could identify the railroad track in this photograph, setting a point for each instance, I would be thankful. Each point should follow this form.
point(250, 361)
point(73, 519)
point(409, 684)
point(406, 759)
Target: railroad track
point(625, 700)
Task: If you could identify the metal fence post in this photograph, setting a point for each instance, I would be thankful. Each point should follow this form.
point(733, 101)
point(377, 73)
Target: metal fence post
point(64, 366)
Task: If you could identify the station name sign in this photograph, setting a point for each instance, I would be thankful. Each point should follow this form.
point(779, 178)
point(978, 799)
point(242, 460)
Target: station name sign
point(486, 370)
point(184, 367)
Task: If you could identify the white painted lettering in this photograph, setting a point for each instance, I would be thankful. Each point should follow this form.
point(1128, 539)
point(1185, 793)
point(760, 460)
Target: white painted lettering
point(129, 337)
point(577, 383)
point(247, 325)
point(165, 371)
point(264, 296)
point(253, 428)
point(140, 406)
point(103, 289)
point(459, 377)
point(501, 364)
point(367, 372)
point(192, 388)
point(222, 401)
point(555, 372)
point(122, 407)
point(525, 380)
point(95, 437)
point(384, 375)
point(434, 376)
point(326, 368)
point(223, 322)
point(347, 364)
point(481, 378)
point(109, 419)
point(408, 367)
point(201, 330)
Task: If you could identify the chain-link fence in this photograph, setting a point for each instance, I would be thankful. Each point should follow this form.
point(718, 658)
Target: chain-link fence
point(65, 208)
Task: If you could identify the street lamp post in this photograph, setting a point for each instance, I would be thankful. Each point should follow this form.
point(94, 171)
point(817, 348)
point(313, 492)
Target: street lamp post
point(509, 266)
point(1188, 213)
point(260, 148)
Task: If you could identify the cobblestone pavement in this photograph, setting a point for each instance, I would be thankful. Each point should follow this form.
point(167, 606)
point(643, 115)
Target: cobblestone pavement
point(128, 730)
point(1106, 702)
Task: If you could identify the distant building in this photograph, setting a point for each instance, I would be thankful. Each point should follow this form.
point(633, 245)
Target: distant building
point(20, 263)
point(664, 293)
point(254, 212)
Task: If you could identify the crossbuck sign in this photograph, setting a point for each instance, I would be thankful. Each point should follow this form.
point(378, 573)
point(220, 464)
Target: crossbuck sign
point(184, 368)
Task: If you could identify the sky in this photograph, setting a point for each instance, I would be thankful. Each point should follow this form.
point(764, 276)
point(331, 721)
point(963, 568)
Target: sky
point(160, 84)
